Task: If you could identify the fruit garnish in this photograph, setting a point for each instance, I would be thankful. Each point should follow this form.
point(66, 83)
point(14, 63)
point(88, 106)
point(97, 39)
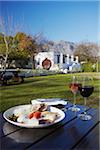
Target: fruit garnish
point(36, 115)
point(31, 115)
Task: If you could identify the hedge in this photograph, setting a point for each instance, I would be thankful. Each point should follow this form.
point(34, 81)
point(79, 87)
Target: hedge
point(90, 67)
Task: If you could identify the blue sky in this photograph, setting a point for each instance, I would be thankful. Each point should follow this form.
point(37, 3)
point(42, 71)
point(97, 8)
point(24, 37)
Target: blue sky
point(71, 21)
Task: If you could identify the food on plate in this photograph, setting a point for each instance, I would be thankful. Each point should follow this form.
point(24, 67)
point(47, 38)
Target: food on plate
point(51, 116)
point(13, 118)
point(19, 111)
point(39, 107)
point(44, 121)
point(25, 119)
point(34, 115)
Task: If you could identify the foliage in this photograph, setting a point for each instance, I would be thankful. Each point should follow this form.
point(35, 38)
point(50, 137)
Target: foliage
point(90, 67)
point(20, 47)
point(2, 45)
point(88, 52)
point(87, 67)
point(26, 42)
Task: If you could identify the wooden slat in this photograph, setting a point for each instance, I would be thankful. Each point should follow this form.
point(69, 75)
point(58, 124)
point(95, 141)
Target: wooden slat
point(2, 121)
point(68, 135)
point(4, 125)
point(91, 141)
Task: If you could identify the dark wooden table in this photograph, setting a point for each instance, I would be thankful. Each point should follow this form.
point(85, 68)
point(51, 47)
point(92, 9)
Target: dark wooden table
point(71, 133)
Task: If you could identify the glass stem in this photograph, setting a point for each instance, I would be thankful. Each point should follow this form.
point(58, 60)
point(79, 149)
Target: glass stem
point(74, 99)
point(85, 99)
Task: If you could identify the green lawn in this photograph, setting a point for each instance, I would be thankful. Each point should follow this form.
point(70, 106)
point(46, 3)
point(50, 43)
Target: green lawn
point(54, 86)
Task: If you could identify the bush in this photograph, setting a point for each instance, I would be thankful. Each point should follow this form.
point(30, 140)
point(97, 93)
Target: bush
point(99, 67)
point(89, 67)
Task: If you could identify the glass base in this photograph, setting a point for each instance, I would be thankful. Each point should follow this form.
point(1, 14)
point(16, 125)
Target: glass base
point(74, 108)
point(84, 117)
point(64, 109)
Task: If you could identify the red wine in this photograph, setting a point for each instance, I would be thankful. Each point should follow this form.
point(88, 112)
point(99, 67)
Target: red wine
point(86, 91)
point(74, 87)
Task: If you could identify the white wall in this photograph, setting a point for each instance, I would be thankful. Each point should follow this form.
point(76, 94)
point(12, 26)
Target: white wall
point(42, 56)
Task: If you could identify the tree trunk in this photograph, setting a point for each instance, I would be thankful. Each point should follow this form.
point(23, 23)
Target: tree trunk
point(6, 57)
point(33, 61)
point(97, 66)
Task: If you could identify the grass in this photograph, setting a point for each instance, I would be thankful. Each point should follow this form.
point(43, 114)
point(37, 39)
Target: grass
point(54, 86)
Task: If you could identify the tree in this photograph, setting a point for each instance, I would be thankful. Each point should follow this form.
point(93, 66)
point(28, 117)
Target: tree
point(14, 52)
point(15, 46)
point(27, 45)
point(7, 39)
point(88, 52)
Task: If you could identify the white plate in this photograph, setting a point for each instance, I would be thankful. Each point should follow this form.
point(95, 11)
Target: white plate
point(10, 111)
point(50, 101)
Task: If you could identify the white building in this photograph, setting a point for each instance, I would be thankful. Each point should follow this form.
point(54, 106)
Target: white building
point(59, 61)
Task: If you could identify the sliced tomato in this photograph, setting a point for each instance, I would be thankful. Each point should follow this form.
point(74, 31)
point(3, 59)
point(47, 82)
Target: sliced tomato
point(37, 114)
point(31, 115)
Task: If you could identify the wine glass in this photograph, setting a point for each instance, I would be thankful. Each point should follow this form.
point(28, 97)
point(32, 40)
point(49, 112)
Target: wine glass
point(74, 87)
point(86, 90)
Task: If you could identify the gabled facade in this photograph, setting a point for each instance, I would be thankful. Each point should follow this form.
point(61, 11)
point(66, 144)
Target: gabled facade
point(58, 60)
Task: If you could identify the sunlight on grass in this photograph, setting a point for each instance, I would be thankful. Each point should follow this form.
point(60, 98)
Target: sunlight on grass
point(54, 86)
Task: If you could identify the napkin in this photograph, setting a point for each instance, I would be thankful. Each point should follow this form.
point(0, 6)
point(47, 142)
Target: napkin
point(50, 101)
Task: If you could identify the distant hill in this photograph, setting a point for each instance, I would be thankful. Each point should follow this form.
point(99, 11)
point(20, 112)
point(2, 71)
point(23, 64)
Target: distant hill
point(61, 46)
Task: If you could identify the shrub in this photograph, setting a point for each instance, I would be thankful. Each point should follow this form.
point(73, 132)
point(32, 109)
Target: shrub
point(90, 67)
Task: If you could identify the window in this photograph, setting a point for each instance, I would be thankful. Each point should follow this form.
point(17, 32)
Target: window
point(58, 59)
point(38, 62)
point(64, 58)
